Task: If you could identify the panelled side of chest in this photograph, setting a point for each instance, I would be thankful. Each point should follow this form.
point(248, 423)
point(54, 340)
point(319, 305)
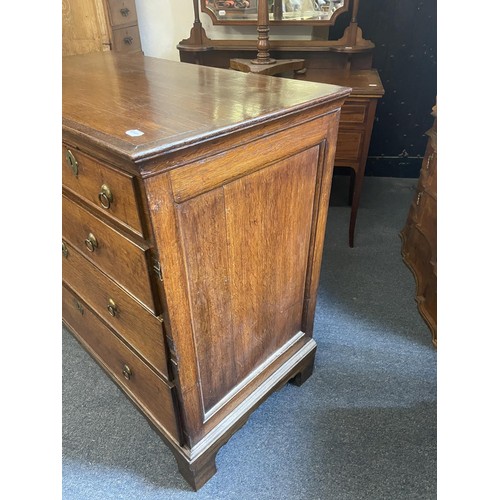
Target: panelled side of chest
point(239, 232)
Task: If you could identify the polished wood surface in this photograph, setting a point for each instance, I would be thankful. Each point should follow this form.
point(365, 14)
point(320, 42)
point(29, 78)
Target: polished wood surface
point(130, 92)
point(419, 236)
point(212, 262)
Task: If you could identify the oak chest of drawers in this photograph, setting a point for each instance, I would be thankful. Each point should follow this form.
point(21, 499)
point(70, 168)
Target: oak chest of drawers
point(122, 16)
point(193, 224)
point(419, 236)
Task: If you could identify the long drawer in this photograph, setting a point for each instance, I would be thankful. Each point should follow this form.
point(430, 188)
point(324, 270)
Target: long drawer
point(122, 259)
point(354, 112)
point(349, 146)
point(110, 191)
point(142, 330)
point(137, 380)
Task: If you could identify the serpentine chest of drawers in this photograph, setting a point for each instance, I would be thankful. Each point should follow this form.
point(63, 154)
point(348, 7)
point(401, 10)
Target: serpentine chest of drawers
point(194, 209)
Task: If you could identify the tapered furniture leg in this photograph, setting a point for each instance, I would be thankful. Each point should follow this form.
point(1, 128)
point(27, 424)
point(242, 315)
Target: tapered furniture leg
point(352, 178)
point(358, 184)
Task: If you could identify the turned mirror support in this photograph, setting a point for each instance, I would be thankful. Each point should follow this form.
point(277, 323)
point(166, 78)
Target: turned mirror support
point(263, 63)
point(263, 35)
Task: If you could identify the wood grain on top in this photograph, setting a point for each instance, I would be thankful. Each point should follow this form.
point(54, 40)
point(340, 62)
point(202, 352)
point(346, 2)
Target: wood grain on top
point(173, 104)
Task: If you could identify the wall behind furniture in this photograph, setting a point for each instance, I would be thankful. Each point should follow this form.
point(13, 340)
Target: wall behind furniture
point(405, 36)
point(163, 24)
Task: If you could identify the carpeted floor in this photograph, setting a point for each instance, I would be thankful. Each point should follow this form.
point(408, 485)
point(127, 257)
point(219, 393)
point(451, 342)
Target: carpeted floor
point(362, 427)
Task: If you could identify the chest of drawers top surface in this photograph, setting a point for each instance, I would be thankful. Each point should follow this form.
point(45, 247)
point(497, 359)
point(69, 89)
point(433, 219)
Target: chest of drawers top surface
point(138, 106)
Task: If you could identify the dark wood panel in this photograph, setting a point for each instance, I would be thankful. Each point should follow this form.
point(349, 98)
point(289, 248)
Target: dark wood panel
point(249, 285)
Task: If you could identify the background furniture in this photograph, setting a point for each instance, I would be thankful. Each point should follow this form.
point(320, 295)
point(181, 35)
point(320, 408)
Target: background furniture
point(346, 61)
point(99, 26)
point(419, 236)
point(192, 244)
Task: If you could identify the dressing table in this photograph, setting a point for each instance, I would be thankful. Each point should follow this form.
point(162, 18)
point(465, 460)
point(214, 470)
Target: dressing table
point(346, 62)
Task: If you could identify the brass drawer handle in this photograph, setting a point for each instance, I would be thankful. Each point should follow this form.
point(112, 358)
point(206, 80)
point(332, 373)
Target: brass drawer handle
point(124, 12)
point(79, 306)
point(419, 197)
point(105, 196)
point(429, 159)
point(91, 242)
point(64, 249)
point(111, 307)
point(72, 162)
point(128, 40)
point(127, 372)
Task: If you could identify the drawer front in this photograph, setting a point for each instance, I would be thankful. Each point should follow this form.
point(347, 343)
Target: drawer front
point(428, 172)
point(122, 12)
point(349, 145)
point(137, 380)
point(426, 217)
point(112, 192)
point(120, 258)
point(133, 323)
point(418, 251)
point(354, 112)
point(127, 39)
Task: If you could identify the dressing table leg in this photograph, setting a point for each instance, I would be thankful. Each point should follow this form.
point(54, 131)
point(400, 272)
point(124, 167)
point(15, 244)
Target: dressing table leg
point(358, 183)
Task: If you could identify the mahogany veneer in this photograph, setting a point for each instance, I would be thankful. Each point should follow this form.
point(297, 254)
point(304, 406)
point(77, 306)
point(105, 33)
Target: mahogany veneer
point(194, 210)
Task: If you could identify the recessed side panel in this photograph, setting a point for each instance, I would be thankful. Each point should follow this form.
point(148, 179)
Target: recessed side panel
point(246, 247)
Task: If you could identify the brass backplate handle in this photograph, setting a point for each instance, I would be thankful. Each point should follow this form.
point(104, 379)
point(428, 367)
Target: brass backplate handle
point(72, 162)
point(91, 242)
point(64, 249)
point(127, 372)
point(111, 307)
point(128, 40)
point(124, 12)
point(105, 196)
point(79, 306)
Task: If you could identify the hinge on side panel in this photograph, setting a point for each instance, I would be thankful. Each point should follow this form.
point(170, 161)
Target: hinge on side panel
point(157, 268)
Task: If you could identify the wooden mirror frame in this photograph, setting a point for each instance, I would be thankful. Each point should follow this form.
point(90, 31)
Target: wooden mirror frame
point(272, 21)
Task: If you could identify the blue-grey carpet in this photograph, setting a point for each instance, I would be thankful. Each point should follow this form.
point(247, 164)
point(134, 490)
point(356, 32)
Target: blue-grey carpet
point(362, 427)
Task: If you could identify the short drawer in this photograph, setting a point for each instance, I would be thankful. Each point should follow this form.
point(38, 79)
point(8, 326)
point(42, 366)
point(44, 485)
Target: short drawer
point(139, 328)
point(137, 380)
point(127, 39)
point(122, 12)
point(123, 260)
point(354, 112)
point(111, 191)
point(349, 145)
